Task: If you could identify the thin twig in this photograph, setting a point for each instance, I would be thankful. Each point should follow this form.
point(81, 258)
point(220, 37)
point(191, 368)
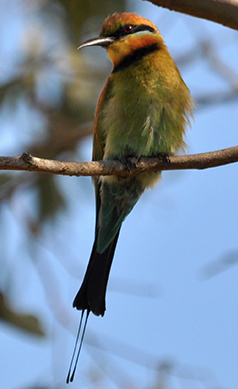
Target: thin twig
point(131, 168)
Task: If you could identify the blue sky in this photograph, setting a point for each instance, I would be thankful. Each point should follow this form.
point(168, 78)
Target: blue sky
point(161, 307)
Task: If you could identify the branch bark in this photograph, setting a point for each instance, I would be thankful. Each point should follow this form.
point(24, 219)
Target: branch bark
point(132, 168)
point(220, 11)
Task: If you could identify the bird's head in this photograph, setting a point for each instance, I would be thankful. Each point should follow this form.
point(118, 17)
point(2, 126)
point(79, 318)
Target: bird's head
point(122, 34)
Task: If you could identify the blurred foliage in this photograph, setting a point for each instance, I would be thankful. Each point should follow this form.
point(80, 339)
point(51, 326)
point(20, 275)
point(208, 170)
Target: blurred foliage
point(51, 81)
point(24, 322)
point(48, 96)
point(47, 100)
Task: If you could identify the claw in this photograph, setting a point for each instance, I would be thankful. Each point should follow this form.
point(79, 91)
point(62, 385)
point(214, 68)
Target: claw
point(129, 163)
point(164, 157)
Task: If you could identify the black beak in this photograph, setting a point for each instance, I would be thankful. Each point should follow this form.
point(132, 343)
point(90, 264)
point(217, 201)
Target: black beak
point(103, 42)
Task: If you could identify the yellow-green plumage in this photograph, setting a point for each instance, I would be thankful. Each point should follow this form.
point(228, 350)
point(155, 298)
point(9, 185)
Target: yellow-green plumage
point(142, 111)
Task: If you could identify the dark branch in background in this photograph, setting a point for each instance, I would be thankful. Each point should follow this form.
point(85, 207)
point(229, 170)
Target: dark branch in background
point(222, 69)
point(207, 50)
point(131, 168)
point(219, 265)
point(220, 11)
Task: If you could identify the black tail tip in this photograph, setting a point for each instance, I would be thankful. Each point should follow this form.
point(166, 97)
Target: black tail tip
point(78, 344)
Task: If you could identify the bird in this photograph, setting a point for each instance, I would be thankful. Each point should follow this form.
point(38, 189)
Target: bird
point(143, 111)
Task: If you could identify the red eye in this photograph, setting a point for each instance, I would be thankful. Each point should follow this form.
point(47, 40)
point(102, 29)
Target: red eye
point(128, 28)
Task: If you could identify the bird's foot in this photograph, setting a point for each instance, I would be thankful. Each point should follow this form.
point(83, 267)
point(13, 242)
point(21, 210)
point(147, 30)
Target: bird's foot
point(164, 157)
point(129, 163)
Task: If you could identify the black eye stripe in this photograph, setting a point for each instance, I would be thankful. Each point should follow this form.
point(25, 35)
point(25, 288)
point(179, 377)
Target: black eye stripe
point(120, 32)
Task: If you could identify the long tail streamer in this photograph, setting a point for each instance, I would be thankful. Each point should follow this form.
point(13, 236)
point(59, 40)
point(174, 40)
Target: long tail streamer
point(79, 341)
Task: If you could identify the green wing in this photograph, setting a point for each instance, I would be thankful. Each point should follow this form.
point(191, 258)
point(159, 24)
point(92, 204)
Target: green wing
point(99, 137)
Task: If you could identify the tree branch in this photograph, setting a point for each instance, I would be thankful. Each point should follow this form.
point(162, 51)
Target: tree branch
point(104, 168)
point(220, 11)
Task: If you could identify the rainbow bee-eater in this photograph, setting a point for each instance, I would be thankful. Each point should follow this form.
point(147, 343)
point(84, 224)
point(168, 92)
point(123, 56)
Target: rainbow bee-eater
point(142, 111)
